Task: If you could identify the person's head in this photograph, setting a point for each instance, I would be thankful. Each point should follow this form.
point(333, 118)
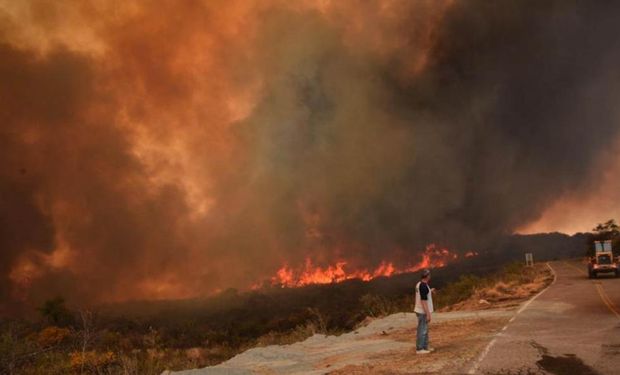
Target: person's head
point(425, 275)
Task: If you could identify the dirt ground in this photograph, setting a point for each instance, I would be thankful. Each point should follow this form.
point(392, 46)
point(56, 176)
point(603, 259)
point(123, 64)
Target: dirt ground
point(456, 344)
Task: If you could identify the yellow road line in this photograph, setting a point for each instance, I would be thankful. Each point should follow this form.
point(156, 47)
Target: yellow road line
point(601, 292)
point(607, 301)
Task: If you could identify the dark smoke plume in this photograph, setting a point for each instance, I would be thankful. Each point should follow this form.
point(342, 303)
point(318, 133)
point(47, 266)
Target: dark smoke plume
point(171, 149)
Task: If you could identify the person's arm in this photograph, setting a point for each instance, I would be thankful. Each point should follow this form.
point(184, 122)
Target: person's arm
point(424, 291)
point(426, 311)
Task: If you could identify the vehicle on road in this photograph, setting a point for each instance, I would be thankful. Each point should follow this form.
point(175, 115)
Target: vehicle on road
point(602, 262)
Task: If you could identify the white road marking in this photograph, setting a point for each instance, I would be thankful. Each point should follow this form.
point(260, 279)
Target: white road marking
point(486, 350)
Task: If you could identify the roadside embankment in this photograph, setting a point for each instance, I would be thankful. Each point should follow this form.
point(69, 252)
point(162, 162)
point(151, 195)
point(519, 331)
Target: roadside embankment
point(387, 345)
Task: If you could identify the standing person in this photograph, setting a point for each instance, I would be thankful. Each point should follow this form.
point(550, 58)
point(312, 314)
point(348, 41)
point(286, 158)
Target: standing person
point(423, 309)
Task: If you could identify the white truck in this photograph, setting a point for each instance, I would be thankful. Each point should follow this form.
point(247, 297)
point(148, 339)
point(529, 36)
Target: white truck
point(603, 260)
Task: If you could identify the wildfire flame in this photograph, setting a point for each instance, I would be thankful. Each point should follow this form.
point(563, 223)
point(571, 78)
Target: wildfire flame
point(432, 257)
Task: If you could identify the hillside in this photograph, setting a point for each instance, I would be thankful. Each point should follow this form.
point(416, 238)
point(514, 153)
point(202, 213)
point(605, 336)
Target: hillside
point(147, 337)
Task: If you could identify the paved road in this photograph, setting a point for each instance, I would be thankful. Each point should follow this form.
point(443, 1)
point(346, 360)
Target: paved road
point(571, 328)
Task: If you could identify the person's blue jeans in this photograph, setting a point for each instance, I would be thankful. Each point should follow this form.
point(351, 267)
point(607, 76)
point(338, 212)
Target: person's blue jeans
point(422, 333)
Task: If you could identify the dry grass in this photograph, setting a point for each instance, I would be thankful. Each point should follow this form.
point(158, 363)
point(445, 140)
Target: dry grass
point(508, 289)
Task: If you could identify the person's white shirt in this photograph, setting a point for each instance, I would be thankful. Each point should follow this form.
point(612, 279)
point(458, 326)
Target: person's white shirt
point(418, 299)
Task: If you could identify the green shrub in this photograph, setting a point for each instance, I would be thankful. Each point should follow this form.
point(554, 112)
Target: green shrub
point(377, 306)
point(459, 290)
point(299, 333)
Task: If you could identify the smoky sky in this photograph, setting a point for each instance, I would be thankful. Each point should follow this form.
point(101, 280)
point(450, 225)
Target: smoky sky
point(171, 149)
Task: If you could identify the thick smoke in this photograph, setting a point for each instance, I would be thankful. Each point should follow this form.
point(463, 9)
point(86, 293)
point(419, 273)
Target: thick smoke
point(171, 149)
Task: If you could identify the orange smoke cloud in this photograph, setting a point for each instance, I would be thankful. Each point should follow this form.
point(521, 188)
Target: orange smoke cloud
point(171, 149)
point(152, 157)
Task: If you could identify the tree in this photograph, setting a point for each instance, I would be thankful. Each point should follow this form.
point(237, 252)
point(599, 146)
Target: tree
point(87, 334)
point(55, 312)
point(608, 229)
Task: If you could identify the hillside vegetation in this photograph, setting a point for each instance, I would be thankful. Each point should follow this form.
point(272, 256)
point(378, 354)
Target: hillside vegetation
point(193, 334)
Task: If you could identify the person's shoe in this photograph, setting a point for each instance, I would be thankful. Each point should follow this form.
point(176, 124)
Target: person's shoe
point(431, 349)
point(423, 351)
